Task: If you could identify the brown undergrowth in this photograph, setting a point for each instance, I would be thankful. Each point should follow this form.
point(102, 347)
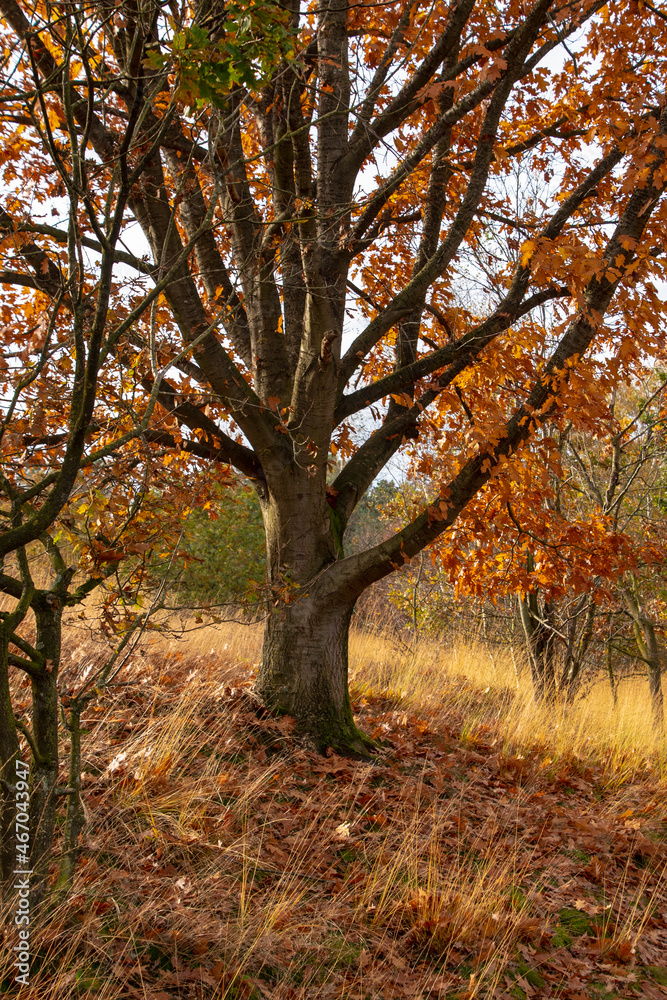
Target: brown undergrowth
point(221, 860)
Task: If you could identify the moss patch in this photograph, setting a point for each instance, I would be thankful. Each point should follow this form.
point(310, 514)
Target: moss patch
point(531, 976)
point(574, 921)
point(659, 973)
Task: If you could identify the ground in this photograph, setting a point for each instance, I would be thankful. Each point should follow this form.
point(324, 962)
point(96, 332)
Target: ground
point(221, 860)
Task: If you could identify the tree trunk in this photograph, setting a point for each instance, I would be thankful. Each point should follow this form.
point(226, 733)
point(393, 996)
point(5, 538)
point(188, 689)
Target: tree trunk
point(44, 771)
point(540, 645)
point(655, 688)
point(575, 653)
point(649, 650)
point(304, 668)
point(304, 673)
point(647, 644)
point(75, 817)
point(9, 754)
point(613, 683)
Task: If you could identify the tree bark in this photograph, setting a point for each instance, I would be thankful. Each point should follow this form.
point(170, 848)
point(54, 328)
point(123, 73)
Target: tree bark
point(75, 816)
point(9, 753)
point(649, 650)
point(613, 683)
point(44, 770)
point(9, 739)
point(304, 667)
point(540, 645)
point(304, 673)
point(650, 653)
point(655, 688)
point(577, 648)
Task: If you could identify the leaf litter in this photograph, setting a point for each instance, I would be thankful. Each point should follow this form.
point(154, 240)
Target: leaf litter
point(221, 859)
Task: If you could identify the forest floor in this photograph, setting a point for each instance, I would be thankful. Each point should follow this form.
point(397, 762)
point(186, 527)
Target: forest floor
point(476, 857)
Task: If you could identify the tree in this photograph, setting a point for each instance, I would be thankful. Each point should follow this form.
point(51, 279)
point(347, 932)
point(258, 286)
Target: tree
point(69, 420)
point(583, 553)
point(221, 555)
point(361, 151)
point(108, 533)
point(56, 336)
point(626, 486)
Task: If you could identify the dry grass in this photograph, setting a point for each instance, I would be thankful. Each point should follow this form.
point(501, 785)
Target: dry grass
point(222, 861)
point(436, 678)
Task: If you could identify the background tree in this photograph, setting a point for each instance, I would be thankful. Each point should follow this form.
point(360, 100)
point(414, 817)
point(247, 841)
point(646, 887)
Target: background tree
point(625, 482)
point(220, 561)
point(363, 150)
point(585, 552)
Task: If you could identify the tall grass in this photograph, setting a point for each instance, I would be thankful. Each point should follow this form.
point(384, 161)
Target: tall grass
point(204, 853)
point(482, 682)
point(487, 684)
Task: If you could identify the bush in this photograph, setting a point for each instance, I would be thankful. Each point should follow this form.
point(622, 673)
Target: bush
point(222, 559)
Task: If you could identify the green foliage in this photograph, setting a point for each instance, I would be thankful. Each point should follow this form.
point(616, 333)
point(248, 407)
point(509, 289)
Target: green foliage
point(241, 50)
point(222, 555)
point(419, 593)
point(343, 951)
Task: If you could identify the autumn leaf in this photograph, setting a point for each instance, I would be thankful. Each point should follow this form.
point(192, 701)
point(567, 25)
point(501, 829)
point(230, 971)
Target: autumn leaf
point(527, 251)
